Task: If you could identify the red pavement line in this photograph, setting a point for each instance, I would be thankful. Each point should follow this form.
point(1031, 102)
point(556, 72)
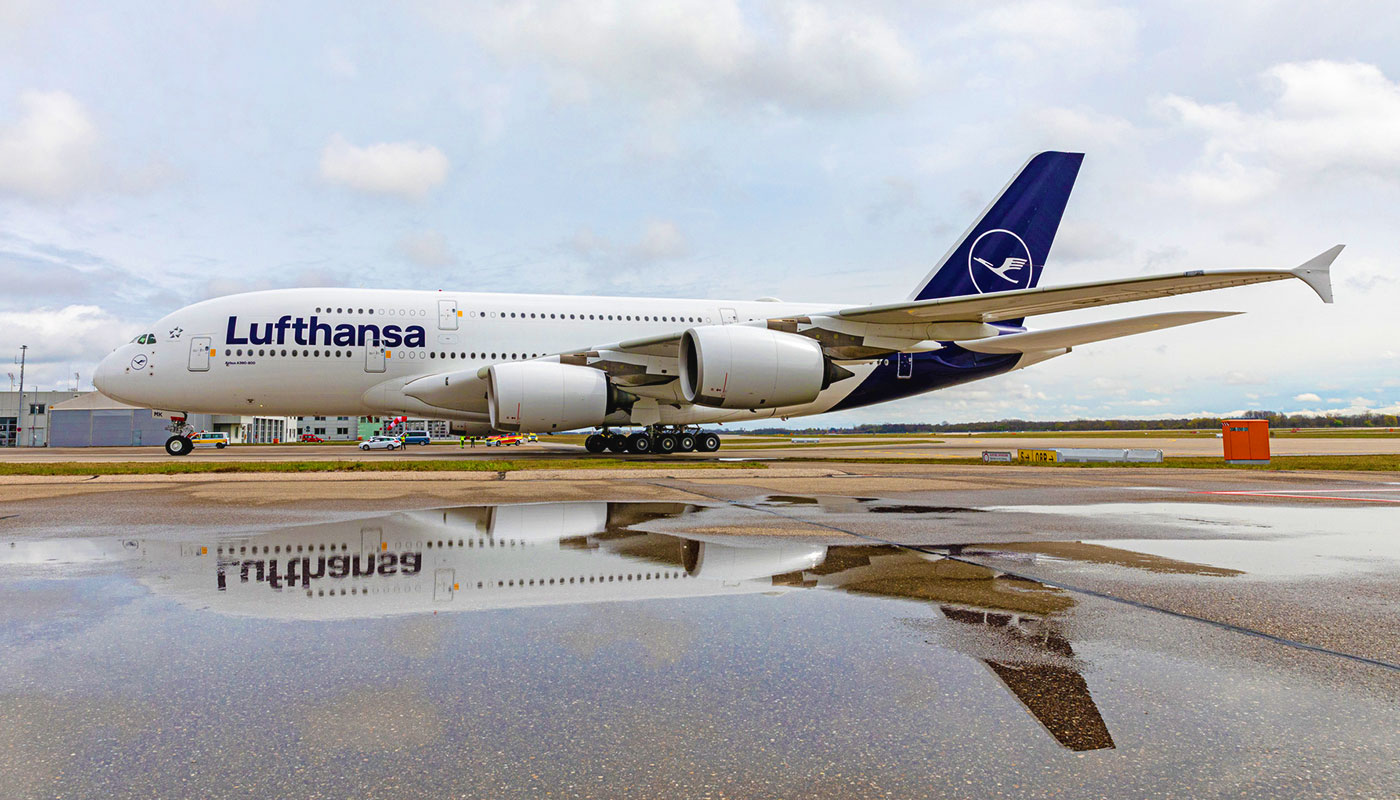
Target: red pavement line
point(1306, 497)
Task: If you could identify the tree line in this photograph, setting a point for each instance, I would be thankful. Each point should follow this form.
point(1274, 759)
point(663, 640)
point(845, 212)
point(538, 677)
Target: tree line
point(1276, 421)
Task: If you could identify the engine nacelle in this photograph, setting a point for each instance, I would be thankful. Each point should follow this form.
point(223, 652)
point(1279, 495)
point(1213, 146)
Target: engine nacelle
point(541, 396)
point(731, 366)
point(736, 562)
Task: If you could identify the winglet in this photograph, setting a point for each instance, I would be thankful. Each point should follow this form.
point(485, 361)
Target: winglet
point(1317, 272)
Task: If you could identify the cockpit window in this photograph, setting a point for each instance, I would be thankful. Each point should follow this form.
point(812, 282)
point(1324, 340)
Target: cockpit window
point(146, 338)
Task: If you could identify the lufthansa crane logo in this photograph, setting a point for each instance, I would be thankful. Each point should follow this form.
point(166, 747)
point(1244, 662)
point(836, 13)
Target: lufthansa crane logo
point(139, 362)
point(999, 261)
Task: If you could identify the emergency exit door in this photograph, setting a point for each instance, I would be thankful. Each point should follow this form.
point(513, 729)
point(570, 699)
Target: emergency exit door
point(447, 315)
point(199, 354)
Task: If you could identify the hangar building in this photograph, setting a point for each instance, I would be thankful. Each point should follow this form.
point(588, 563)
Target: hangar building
point(95, 420)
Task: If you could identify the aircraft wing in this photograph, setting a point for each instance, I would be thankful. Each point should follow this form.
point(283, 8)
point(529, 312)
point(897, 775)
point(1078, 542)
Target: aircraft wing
point(1053, 299)
point(649, 366)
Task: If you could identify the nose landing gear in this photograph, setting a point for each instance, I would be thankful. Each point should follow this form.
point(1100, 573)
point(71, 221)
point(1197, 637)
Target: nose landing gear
point(180, 443)
point(663, 439)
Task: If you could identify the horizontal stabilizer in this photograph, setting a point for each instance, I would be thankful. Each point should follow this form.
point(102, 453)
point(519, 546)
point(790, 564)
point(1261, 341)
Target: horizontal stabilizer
point(1057, 338)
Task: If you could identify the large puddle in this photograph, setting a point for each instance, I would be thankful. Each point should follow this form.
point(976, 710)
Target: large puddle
point(568, 648)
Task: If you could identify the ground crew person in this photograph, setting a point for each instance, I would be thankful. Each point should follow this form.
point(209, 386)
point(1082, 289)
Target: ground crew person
point(462, 445)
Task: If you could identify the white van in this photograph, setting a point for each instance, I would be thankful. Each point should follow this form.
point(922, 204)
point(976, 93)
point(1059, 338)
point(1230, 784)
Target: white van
point(210, 439)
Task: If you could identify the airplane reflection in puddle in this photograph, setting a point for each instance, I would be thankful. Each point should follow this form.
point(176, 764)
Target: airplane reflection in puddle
point(480, 558)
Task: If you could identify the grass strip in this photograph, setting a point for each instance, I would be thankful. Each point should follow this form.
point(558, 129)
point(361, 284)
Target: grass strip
point(1178, 434)
point(1360, 463)
point(224, 467)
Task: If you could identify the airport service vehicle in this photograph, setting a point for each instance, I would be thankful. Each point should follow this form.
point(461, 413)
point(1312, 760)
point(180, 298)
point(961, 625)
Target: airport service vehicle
point(530, 363)
point(381, 443)
point(416, 437)
point(503, 441)
point(209, 439)
point(311, 437)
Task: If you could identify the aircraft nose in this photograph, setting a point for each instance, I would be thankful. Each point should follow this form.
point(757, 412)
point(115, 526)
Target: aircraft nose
point(105, 376)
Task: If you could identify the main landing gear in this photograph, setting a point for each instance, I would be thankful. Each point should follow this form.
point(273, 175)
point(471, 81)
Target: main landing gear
point(663, 439)
point(180, 443)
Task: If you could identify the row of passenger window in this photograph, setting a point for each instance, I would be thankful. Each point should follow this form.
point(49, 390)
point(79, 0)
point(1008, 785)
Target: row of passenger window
point(365, 592)
point(410, 312)
point(277, 548)
point(403, 312)
point(636, 576)
point(350, 354)
point(343, 547)
point(595, 317)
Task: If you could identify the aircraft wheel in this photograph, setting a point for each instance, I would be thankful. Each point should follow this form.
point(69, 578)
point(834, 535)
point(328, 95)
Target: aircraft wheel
point(685, 443)
point(666, 443)
point(595, 443)
point(707, 442)
point(617, 443)
point(179, 445)
point(639, 443)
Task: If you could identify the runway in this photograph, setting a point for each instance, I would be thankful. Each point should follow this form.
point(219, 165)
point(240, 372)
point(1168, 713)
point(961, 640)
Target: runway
point(847, 629)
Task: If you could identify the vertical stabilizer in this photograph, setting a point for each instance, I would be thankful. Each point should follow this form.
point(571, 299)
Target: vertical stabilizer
point(1006, 248)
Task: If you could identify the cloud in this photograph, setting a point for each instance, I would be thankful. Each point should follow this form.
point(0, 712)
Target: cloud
point(1325, 117)
point(74, 336)
point(1095, 33)
point(427, 248)
point(804, 55)
point(51, 151)
point(40, 274)
point(336, 62)
point(405, 169)
point(661, 240)
point(1081, 128)
point(1086, 241)
point(1307, 397)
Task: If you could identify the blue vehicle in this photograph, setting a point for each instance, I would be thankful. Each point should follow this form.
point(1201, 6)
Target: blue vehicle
point(416, 437)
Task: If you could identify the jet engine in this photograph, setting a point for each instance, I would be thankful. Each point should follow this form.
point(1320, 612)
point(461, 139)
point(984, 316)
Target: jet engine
point(731, 366)
point(538, 396)
point(743, 562)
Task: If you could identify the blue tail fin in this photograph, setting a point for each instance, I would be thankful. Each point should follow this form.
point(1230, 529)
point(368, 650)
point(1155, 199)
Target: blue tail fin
point(1006, 248)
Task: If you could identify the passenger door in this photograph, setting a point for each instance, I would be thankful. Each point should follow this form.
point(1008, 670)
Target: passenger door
point(374, 357)
point(727, 315)
point(444, 584)
point(199, 353)
point(447, 315)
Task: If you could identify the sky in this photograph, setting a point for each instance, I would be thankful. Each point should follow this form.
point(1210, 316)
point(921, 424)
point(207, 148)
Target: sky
point(153, 155)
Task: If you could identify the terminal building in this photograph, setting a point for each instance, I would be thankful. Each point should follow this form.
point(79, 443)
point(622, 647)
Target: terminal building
point(91, 419)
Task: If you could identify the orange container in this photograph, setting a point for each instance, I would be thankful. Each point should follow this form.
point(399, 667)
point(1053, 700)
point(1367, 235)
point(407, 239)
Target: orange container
point(1246, 441)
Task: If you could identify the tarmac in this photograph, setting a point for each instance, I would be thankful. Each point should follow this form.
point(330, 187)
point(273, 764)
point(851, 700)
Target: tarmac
point(840, 629)
point(735, 446)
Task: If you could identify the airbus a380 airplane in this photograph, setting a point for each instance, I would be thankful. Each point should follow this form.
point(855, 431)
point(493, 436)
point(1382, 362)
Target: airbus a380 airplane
point(545, 363)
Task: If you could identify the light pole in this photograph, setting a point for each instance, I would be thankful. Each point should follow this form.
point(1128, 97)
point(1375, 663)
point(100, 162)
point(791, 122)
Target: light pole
point(20, 410)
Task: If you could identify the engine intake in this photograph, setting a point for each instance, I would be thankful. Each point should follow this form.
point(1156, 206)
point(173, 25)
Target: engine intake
point(538, 397)
point(731, 366)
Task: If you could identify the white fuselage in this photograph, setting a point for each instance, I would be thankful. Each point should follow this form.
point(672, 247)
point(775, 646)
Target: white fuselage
point(351, 351)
